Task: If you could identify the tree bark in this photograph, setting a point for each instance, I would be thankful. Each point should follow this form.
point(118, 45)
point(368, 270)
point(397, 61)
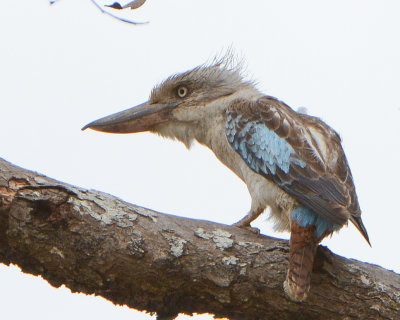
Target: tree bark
point(93, 242)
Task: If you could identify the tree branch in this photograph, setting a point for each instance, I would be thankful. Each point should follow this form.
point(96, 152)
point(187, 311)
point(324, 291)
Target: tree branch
point(114, 16)
point(131, 5)
point(95, 243)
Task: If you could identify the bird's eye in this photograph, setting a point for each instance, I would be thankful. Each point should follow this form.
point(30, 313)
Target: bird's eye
point(182, 91)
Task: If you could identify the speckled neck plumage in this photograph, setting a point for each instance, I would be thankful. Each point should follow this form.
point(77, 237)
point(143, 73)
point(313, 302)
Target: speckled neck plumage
point(292, 163)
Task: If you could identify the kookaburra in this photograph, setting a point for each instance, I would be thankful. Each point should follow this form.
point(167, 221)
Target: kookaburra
point(291, 162)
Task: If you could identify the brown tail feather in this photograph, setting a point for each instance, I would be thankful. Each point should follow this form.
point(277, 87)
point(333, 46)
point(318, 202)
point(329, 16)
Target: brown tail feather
point(303, 245)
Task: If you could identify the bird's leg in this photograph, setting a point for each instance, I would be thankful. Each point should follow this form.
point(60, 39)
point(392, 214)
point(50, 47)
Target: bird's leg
point(303, 246)
point(244, 223)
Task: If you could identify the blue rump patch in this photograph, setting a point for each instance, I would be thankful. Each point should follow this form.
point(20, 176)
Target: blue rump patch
point(305, 217)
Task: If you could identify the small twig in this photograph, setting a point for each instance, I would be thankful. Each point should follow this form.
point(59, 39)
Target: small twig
point(114, 16)
point(132, 5)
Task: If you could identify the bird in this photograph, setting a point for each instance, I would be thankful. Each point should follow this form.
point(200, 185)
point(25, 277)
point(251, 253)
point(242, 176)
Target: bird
point(292, 163)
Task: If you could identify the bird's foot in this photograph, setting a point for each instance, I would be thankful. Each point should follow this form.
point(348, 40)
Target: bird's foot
point(246, 226)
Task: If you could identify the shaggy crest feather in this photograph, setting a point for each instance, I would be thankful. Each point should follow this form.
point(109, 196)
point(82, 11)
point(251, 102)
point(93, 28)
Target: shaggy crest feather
point(222, 75)
point(292, 163)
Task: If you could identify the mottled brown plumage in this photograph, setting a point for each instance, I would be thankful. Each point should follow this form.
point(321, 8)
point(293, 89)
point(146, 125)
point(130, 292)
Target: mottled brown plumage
point(292, 163)
point(326, 183)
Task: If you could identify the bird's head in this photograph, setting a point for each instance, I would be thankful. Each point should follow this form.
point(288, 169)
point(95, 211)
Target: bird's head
point(182, 100)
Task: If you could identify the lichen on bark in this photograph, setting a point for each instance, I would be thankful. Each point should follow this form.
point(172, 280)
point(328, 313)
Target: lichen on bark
point(93, 242)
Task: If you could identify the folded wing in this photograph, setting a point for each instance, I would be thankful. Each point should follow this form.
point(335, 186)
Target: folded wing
point(300, 153)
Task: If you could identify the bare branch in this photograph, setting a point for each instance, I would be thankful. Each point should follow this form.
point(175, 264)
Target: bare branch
point(114, 16)
point(95, 243)
point(132, 5)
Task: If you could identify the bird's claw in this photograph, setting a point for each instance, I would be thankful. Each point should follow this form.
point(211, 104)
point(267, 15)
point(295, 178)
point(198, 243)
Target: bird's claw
point(247, 227)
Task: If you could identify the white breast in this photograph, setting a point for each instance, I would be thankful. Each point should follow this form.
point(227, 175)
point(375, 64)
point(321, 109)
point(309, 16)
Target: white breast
point(264, 193)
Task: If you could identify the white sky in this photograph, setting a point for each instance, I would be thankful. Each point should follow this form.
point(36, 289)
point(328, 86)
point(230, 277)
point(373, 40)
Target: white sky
point(65, 65)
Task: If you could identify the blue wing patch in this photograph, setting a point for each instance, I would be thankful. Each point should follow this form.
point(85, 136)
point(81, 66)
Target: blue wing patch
point(271, 138)
point(264, 151)
point(261, 148)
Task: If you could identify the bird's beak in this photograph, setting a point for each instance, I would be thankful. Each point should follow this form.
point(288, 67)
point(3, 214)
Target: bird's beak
point(137, 119)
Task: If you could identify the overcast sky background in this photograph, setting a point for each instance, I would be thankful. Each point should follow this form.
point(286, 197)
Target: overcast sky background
point(64, 65)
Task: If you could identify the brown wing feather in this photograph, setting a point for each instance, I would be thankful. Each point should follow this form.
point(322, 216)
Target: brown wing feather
point(325, 184)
